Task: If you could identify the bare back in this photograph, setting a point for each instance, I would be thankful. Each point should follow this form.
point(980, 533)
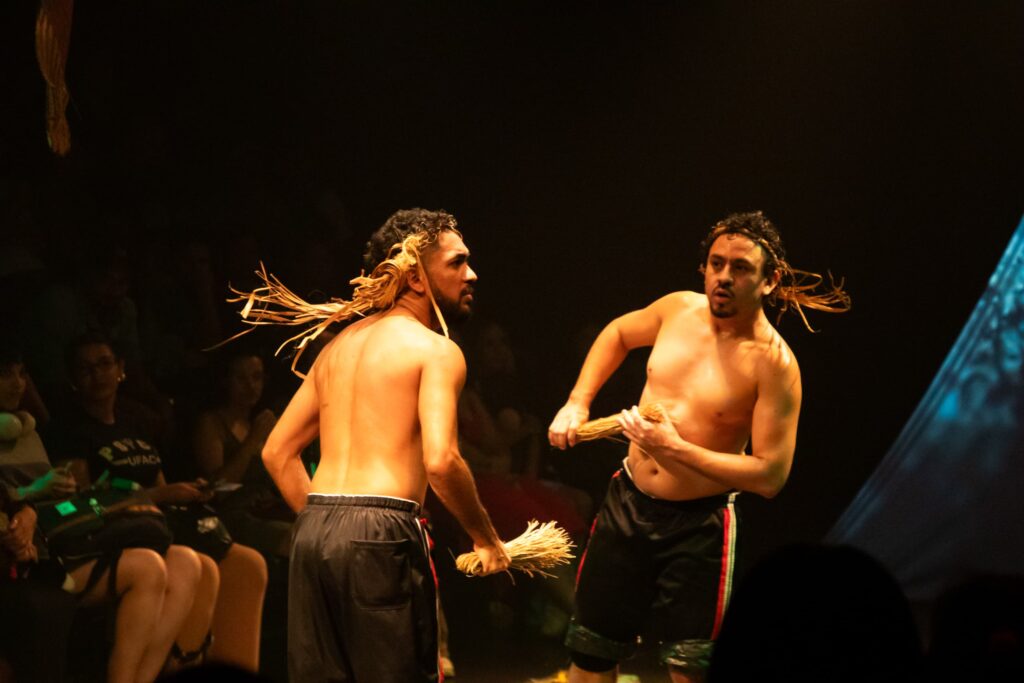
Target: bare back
point(710, 386)
point(367, 383)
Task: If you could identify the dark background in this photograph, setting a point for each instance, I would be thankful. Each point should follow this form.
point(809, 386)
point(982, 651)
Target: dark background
point(585, 148)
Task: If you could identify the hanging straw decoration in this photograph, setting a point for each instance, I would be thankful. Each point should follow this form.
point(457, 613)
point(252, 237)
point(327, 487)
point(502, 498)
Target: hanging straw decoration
point(53, 39)
point(275, 304)
point(605, 427)
point(540, 548)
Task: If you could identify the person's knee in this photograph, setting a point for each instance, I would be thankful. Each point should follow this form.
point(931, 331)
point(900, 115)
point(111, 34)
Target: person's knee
point(141, 569)
point(591, 663)
point(209, 576)
point(247, 565)
point(183, 566)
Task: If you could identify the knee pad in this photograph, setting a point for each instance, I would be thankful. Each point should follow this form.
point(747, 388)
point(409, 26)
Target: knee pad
point(591, 663)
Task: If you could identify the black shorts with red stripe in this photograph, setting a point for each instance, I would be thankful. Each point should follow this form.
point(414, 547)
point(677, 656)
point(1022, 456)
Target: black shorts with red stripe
point(654, 567)
point(361, 593)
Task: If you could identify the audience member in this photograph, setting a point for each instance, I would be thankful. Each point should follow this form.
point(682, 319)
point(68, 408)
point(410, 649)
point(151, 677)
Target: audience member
point(227, 443)
point(108, 437)
point(97, 300)
point(502, 441)
point(37, 613)
point(153, 593)
point(813, 613)
point(179, 313)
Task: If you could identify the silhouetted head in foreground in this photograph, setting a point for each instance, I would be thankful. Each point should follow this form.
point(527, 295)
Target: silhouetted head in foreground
point(817, 614)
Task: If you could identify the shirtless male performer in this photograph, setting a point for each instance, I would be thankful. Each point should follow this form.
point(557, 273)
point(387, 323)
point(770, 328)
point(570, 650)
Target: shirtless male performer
point(382, 397)
point(661, 551)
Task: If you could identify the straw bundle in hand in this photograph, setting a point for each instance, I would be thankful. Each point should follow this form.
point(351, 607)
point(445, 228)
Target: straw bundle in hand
point(609, 426)
point(539, 548)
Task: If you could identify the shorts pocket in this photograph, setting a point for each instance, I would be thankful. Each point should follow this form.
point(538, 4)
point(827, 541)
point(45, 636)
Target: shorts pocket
point(380, 577)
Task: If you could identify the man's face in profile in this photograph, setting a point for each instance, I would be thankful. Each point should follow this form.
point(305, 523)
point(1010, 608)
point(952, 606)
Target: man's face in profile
point(451, 277)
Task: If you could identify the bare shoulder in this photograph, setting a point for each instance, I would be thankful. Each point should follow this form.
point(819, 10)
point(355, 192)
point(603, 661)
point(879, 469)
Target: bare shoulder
point(446, 353)
point(777, 362)
point(418, 344)
point(679, 302)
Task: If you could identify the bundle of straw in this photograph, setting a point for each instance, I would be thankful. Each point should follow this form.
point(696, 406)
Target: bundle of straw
point(604, 427)
point(539, 548)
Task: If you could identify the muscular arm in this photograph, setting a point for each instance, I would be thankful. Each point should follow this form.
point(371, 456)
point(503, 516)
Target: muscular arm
point(630, 331)
point(773, 440)
point(282, 454)
point(447, 473)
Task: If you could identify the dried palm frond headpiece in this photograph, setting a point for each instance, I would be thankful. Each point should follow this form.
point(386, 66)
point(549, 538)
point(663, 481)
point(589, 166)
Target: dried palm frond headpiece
point(275, 304)
point(796, 288)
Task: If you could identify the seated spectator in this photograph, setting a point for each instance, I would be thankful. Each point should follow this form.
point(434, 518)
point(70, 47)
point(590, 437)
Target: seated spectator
point(97, 299)
point(153, 593)
point(106, 436)
point(37, 612)
point(228, 441)
point(179, 300)
point(813, 613)
point(503, 443)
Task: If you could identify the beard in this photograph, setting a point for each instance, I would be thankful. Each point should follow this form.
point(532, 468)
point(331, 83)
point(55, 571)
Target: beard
point(722, 309)
point(453, 310)
point(723, 312)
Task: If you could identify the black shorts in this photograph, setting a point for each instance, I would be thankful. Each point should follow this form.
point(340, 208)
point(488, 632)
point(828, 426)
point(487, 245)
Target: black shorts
point(654, 567)
point(361, 593)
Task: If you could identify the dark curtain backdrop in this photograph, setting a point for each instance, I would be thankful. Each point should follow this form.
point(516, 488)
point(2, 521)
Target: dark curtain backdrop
point(585, 149)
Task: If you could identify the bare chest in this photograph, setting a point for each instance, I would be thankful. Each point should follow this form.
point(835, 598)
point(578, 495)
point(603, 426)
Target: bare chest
point(699, 377)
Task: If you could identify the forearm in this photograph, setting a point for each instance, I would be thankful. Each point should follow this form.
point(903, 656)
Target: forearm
point(290, 477)
point(754, 474)
point(23, 493)
point(453, 484)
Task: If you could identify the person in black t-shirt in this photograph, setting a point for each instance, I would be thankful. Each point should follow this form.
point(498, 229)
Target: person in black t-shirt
point(109, 436)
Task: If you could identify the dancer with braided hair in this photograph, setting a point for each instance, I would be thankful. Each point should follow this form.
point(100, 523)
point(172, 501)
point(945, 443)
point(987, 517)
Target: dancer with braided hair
point(382, 397)
point(721, 378)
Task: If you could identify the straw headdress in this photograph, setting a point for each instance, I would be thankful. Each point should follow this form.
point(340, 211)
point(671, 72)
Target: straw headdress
point(796, 288)
point(275, 304)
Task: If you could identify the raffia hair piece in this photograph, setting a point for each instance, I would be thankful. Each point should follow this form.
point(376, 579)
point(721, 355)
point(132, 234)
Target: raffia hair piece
point(606, 427)
point(796, 287)
point(538, 549)
point(275, 304)
point(796, 290)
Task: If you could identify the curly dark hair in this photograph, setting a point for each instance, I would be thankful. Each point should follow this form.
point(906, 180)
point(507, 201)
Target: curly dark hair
point(753, 225)
point(400, 225)
point(796, 288)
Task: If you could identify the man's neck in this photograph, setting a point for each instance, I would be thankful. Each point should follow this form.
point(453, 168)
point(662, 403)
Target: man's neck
point(738, 326)
point(415, 306)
